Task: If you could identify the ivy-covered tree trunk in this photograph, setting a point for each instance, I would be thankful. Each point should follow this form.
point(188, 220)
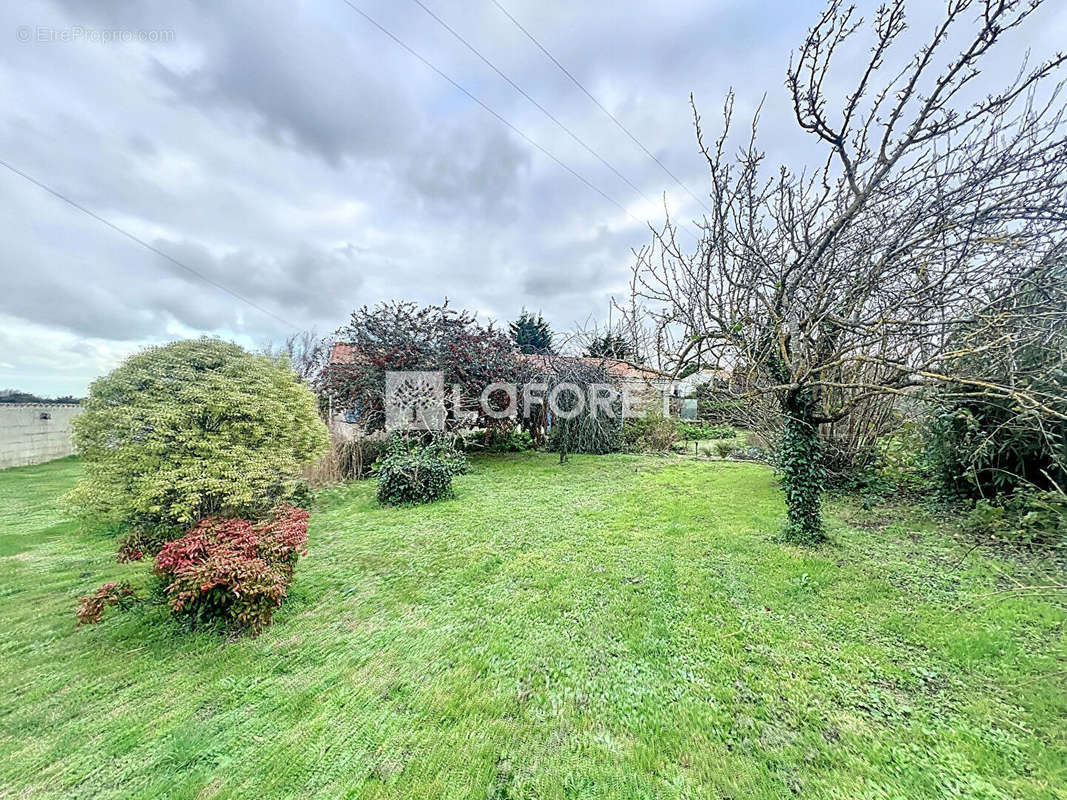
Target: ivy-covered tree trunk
point(802, 470)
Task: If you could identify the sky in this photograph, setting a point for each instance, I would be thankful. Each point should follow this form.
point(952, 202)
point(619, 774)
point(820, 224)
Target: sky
point(295, 155)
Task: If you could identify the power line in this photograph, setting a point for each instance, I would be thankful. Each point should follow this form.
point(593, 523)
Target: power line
point(487, 108)
point(146, 245)
point(524, 93)
point(599, 105)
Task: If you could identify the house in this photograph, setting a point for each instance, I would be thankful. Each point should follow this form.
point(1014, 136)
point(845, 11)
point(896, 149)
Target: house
point(343, 353)
point(685, 387)
point(648, 390)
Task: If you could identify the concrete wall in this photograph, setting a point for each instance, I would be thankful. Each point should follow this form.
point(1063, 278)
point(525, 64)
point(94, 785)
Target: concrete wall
point(31, 433)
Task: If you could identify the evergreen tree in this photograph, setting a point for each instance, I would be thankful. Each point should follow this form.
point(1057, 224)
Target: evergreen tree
point(611, 345)
point(531, 334)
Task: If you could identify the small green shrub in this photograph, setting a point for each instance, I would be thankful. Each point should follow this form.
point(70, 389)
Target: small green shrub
point(991, 447)
point(452, 457)
point(519, 441)
point(899, 466)
point(512, 440)
point(1044, 518)
point(847, 462)
point(412, 473)
point(894, 464)
point(700, 430)
point(300, 494)
point(725, 448)
point(653, 433)
point(985, 517)
point(1028, 518)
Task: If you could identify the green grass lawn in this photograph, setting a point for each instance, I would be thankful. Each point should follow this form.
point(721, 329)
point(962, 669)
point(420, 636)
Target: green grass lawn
point(707, 447)
point(619, 626)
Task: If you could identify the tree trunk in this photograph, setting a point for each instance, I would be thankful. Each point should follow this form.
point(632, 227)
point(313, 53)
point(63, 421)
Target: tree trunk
point(802, 470)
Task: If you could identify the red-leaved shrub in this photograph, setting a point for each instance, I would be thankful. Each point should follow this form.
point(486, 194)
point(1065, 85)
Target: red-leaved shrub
point(91, 606)
point(233, 570)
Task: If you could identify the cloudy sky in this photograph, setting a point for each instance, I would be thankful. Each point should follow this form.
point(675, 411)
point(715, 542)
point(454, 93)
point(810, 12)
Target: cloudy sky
point(295, 154)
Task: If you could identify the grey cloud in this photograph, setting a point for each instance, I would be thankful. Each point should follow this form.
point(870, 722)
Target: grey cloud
point(304, 86)
point(310, 283)
point(306, 284)
point(588, 267)
point(478, 170)
point(566, 277)
point(293, 153)
point(78, 307)
point(142, 145)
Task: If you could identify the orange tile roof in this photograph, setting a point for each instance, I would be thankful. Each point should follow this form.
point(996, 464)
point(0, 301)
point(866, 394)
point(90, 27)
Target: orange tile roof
point(343, 353)
point(614, 367)
point(624, 369)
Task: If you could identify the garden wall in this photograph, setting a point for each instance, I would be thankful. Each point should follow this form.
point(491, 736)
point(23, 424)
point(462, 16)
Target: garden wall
point(31, 433)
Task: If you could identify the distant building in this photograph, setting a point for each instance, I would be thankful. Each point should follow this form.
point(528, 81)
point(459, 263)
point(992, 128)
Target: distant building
point(684, 387)
point(647, 389)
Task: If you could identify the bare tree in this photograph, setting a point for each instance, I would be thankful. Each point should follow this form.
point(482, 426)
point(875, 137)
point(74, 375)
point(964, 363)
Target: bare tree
point(306, 353)
point(824, 288)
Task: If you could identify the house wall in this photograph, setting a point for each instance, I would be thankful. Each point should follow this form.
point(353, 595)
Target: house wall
point(27, 438)
point(648, 397)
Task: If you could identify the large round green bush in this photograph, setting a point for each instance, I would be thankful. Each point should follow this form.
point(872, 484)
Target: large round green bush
point(413, 472)
point(194, 428)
